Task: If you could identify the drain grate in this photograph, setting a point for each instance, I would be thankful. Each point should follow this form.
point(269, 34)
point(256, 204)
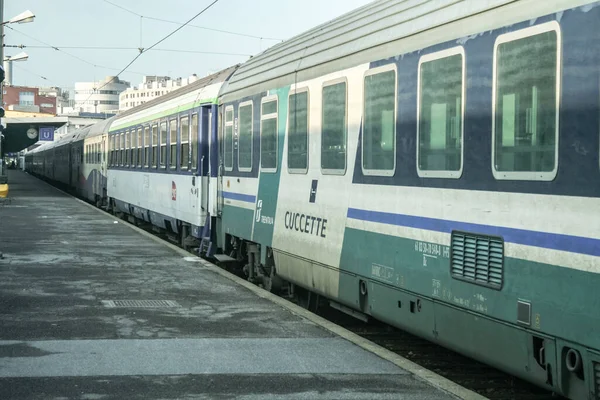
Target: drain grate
point(140, 303)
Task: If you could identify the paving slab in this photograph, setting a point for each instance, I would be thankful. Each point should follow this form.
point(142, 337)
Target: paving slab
point(92, 309)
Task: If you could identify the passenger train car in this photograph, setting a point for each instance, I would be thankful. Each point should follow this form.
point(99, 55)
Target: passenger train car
point(433, 164)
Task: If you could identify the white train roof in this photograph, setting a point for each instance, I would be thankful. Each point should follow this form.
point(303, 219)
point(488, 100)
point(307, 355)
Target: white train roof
point(377, 31)
point(203, 91)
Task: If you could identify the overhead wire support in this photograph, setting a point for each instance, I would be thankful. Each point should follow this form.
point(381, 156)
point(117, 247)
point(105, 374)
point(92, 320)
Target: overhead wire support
point(192, 26)
point(154, 45)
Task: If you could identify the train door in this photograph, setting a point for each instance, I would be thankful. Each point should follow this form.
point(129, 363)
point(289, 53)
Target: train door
point(219, 199)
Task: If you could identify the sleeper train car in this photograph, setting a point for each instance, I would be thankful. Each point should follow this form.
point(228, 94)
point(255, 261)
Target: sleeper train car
point(433, 164)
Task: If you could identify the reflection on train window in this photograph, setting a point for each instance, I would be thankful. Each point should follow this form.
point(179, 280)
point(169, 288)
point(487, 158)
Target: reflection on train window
point(122, 147)
point(146, 161)
point(184, 127)
point(133, 148)
point(298, 132)
point(246, 135)
point(194, 141)
point(155, 146)
point(163, 145)
point(334, 129)
point(526, 112)
point(140, 147)
point(173, 143)
point(268, 135)
point(379, 126)
point(128, 148)
point(440, 116)
point(228, 139)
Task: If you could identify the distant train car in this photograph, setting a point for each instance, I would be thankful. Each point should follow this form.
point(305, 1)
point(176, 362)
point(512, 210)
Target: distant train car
point(92, 178)
point(162, 156)
point(434, 165)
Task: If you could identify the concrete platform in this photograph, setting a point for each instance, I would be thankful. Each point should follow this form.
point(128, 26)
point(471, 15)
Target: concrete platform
point(91, 308)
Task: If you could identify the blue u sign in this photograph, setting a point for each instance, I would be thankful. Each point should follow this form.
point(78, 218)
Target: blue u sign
point(47, 133)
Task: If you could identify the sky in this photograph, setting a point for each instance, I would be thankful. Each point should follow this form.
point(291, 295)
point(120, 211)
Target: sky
point(97, 23)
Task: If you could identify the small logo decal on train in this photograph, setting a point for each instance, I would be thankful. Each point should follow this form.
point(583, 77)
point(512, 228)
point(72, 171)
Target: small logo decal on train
point(173, 191)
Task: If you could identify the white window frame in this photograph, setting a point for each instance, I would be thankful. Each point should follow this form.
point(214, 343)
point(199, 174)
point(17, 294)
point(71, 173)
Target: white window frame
point(377, 71)
point(292, 92)
point(140, 143)
point(459, 50)
point(328, 171)
point(246, 104)
point(511, 37)
point(147, 146)
point(171, 166)
point(225, 126)
point(182, 142)
point(268, 99)
point(163, 163)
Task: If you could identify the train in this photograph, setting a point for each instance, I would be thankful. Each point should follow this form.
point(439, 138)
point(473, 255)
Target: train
point(432, 164)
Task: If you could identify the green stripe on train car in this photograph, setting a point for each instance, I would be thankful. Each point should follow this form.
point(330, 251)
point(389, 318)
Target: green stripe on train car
point(238, 221)
point(568, 311)
point(162, 114)
point(268, 184)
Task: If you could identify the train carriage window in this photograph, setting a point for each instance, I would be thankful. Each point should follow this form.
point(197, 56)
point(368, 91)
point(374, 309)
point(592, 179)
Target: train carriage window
point(184, 127)
point(139, 147)
point(146, 157)
point(113, 160)
point(122, 151)
point(133, 151)
point(246, 122)
point(268, 134)
point(110, 150)
point(440, 111)
point(297, 154)
point(334, 128)
point(127, 148)
point(163, 144)
point(228, 139)
point(379, 124)
point(194, 141)
point(154, 146)
point(526, 103)
point(173, 144)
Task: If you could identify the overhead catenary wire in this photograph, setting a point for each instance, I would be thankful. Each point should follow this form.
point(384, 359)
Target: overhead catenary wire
point(142, 51)
point(23, 46)
point(59, 49)
point(191, 26)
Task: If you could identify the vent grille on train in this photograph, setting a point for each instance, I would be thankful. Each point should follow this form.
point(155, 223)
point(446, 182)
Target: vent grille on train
point(597, 379)
point(477, 258)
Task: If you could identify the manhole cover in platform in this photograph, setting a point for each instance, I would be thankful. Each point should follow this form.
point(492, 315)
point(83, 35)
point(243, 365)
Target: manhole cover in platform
point(140, 303)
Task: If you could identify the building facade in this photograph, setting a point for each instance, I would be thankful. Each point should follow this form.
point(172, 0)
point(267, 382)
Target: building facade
point(28, 99)
point(99, 97)
point(150, 88)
